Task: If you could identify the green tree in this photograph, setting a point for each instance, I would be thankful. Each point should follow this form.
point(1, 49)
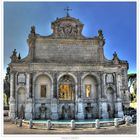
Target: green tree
point(132, 82)
point(7, 85)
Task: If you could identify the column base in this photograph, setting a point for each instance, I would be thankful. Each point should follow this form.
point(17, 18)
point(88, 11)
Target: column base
point(28, 115)
point(105, 115)
point(80, 116)
point(54, 116)
point(12, 108)
point(28, 109)
point(103, 109)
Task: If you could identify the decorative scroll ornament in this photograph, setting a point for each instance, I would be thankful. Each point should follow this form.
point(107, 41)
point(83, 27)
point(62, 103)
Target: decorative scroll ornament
point(32, 37)
point(14, 58)
point(115, 59)
point(101, 37)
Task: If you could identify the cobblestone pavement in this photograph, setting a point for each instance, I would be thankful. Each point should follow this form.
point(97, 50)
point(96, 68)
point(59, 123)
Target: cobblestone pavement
point(10, 128)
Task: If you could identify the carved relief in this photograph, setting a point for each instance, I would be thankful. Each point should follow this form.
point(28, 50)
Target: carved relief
point(21, 78)
point(109, 78)
point(67, 27)
point(14, 57)
point(67, 30)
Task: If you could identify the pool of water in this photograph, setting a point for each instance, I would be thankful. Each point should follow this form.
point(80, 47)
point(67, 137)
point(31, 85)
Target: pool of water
point(76, 121)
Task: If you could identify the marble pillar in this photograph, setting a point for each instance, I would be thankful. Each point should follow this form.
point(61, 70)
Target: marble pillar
point(118, 108)
point(12, 106)
point(28, 105)
point(27, 85)
point(54, 110)
point(80, 109)
point(118, 85)
point(103, 109)
point(28, 109)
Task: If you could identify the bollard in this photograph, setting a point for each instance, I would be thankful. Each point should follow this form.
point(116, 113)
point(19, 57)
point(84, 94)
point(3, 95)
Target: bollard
point(72, 124)
point(48, 124)
point(20, 122)
point(93, 125)
point(16, 120)
point(30, 124)
point(97, 124)
point(116, 123)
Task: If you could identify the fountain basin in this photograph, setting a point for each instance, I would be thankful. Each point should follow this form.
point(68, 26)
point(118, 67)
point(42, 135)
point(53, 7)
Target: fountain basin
point(78, 123)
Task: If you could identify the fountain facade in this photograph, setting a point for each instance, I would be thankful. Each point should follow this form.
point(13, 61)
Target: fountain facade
point(66, 76)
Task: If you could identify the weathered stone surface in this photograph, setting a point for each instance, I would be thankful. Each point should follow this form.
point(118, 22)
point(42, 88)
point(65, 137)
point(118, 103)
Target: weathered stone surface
point(72, 124)
point(49, 125)
point(116, 123)
point(30, 124)
point(67, 53)
point(97, 124)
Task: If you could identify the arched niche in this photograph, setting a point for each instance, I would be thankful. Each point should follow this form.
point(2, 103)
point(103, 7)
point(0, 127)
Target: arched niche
point(89, 87)
point(43, 87)
point(21, 99)
point(110, 102)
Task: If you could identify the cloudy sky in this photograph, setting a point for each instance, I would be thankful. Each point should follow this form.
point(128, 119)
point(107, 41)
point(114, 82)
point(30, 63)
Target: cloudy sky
point(116, 19)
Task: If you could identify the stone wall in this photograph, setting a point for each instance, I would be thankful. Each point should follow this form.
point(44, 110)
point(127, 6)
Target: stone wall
point(66, 51)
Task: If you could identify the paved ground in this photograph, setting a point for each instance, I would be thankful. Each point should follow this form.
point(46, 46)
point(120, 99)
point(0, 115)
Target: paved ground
point(10, 128)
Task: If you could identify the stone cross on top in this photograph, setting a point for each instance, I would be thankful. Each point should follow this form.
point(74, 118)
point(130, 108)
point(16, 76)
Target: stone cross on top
point(67, 10)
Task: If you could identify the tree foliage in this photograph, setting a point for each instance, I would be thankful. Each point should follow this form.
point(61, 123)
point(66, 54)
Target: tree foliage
point(7, 84)
point(132, 83)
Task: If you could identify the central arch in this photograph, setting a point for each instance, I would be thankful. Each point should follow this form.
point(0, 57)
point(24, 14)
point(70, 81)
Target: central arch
point(66, 96)
point(66, 88)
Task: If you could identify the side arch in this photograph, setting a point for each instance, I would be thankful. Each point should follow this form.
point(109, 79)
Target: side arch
point(41, 80)
point(21, 102)
point(110, 102)
point(70, 74)
point(42, 73)
point(93, 80)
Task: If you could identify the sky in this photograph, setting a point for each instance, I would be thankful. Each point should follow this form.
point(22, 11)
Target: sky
point(116, 19)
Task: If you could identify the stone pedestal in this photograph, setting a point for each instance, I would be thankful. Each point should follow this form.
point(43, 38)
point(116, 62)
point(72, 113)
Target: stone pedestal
point(54, 110)
point(80, 114)
point(30, 124)
point(104, 113)
point(118, 108)
point(12, 110)
point(28, 109)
